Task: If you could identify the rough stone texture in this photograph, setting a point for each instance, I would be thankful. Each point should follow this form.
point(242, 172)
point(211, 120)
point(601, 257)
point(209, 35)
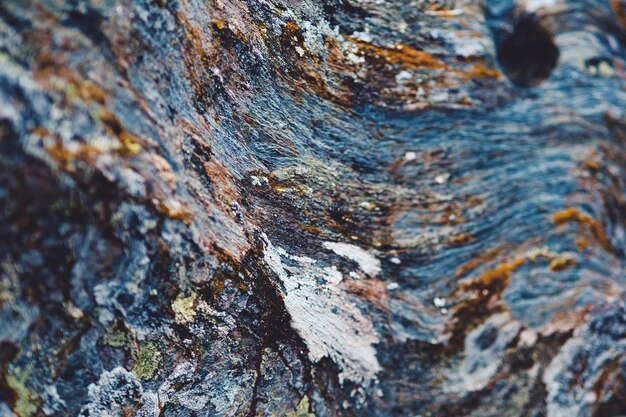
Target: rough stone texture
point(312, 208)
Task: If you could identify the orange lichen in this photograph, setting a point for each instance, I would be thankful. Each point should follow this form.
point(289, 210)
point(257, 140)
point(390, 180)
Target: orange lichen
point(52, 71)
point(574, 215)
point(479, 260)
point(453, 215)
point(220, 24)
point(581, 243)
point(591, 165)
point(218, 285)
point(495, 279)
point(619, 8)
point(66, 158)
point(398, 54)
point(279, 185)
point(88, 91)
point(560, 263)
point(462, 239)
point(437, 8)
point(223, 28)
point(174, 210)
point(481, 71)
point(441, 11)
point(292, 36)
point(291, 32)
point(311, 229)
point(480, 298)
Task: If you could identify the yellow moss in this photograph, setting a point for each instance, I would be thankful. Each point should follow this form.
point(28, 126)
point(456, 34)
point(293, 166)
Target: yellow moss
point(302, 410)
point(148, 360)
point(183, 307)
point(25, 404)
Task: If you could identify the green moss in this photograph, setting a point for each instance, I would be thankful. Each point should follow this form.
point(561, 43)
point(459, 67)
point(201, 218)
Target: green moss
point(26, 402)
point(302, 410)
point(148, 359)
point(115, 339)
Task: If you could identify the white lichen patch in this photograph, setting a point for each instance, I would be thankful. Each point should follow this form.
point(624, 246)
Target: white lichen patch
point(367, 262)
point(215, 394)
point(410, 156)
point(331, 325)
point(449, 13)
point(531, 6)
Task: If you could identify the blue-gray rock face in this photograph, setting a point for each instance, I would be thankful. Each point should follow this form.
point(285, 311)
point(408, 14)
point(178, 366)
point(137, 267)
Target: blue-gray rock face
point(312, 208)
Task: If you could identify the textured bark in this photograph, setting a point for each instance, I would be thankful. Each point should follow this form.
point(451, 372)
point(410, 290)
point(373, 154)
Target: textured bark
point(312, 208)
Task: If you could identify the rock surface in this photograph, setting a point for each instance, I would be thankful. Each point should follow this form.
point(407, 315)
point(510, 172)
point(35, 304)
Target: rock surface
point(312, 208)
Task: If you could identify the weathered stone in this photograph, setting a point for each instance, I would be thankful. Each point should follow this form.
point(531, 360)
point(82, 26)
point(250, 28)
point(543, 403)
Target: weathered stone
point(312, 208)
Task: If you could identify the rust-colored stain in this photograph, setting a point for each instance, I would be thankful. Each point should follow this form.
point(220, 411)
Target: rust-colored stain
point(619, 8)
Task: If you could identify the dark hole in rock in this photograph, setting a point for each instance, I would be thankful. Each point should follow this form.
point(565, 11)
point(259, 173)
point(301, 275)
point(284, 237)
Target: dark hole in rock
point(528, 54)
point(487, 338)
